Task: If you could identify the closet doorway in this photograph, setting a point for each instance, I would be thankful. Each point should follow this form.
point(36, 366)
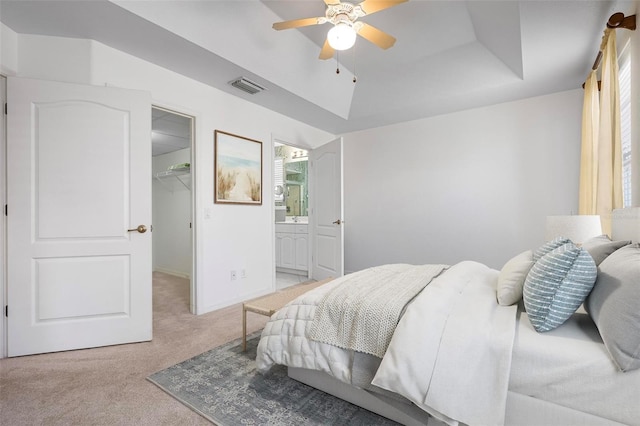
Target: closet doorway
point(172, 165)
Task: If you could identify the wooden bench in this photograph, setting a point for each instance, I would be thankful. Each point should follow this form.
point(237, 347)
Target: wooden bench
point(269, 304)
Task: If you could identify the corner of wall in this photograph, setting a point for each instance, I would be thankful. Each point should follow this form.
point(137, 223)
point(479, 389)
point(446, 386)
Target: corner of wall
point(3, 224)
point(54, 58)
point(8, 51)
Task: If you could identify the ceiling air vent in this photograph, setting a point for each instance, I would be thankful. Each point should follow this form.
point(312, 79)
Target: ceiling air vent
point(246, 85)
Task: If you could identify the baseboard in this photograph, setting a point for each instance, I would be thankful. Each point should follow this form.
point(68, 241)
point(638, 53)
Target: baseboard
point(301, 272)
point(174, 273)
point(233, 301)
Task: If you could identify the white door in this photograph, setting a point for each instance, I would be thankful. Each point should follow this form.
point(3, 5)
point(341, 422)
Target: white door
point(78, 178)
point(326, 230)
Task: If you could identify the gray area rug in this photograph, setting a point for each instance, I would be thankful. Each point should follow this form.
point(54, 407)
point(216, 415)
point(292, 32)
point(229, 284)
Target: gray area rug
point(223, 386)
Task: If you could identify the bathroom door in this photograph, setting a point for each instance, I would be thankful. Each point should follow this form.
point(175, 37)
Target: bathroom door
point(79, 216)
point(326, 218)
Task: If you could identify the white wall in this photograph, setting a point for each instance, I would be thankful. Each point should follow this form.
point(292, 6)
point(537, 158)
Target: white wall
point(172, 247)
point(227, 236)
point(475, 184)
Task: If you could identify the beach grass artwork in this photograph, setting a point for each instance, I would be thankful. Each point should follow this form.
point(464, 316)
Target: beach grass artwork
point(238, 169)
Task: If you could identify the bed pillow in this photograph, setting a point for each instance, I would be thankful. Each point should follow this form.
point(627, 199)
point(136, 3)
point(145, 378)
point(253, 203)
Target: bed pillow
point(557, 285)
point(512, 276)
point(600, 247)
point(614, 305)
point(549, 246)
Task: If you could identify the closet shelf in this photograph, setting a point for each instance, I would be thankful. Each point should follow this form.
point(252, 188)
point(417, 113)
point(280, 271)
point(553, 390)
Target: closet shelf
point(183, 176)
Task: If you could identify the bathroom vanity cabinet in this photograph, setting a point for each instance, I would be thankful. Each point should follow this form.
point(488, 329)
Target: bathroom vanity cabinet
point(292, 247)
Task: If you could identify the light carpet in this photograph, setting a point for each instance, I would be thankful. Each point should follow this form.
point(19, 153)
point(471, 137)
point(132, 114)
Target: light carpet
point(223, 386)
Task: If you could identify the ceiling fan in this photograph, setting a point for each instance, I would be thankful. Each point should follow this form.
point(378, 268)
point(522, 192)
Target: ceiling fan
point(344, 17)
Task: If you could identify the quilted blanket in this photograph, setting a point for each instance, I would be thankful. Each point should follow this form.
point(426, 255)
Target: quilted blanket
point(361, 313)
point(284, 339)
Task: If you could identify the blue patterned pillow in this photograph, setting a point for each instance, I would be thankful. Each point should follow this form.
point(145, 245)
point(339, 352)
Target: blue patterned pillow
point(549, 246)
point(557, 284)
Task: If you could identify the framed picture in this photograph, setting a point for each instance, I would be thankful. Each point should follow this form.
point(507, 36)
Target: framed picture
point(238, 169)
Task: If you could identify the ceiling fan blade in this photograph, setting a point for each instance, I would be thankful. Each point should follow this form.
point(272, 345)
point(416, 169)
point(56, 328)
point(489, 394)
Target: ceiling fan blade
point(327, 51)
point(373, 6)
point(331, 2)
point(375, 36)
point(296, 23)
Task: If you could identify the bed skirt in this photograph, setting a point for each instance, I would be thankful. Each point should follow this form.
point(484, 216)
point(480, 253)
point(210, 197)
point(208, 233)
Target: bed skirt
point(402, 412)
point(522, 410)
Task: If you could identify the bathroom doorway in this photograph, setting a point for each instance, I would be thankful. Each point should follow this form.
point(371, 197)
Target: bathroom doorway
point(291, 200)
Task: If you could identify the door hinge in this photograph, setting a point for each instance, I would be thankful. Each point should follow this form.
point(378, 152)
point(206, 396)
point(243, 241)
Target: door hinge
point(6, 210)
point(5, 109)
point(6, 311)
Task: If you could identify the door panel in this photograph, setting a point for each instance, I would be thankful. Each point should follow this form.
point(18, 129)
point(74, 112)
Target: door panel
point(288, 253)
point(302, 252)
point(102, 165)
point(101, 282)
point(327, 215)
point(78, 177)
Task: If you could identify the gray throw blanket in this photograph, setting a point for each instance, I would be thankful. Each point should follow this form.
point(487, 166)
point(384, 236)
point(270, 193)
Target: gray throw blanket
point(362, 312)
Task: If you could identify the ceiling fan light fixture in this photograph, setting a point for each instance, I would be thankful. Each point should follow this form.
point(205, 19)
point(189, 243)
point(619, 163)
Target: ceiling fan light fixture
point(342, 36)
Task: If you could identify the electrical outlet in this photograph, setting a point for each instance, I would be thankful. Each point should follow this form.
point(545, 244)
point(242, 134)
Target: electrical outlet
point(243, 274)
point(233, 275)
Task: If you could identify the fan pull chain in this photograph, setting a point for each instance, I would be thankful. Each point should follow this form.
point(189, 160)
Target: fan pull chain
point(354, 63)
point(338, 61)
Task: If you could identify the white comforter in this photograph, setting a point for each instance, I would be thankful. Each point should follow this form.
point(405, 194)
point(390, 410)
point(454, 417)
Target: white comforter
point(451, 351)
point(450, 354)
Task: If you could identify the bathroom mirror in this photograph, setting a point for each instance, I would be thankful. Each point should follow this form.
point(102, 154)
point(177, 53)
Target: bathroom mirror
point(291, 168)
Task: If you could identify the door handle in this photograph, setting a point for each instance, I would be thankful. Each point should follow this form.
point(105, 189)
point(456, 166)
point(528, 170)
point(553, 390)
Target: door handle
point(338, 222)
point(141, 229)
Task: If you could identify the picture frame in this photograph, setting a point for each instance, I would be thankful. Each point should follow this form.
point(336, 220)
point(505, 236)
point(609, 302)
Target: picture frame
point(237, 169)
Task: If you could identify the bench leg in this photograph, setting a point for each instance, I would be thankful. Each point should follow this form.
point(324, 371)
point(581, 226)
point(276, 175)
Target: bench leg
point(244, 329)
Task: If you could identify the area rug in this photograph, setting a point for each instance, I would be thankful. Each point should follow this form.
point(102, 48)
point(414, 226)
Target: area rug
point(223, 386)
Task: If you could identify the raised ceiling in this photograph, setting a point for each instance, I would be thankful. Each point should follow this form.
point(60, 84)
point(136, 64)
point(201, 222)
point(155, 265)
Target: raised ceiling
point(449, 55)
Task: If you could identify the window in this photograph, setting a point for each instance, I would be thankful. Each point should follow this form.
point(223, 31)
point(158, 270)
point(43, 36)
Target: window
point(278, 179)
point(624, 76)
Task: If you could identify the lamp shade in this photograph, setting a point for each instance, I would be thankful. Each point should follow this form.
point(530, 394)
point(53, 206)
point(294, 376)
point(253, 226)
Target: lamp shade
point(342, 36)
point(578, 228)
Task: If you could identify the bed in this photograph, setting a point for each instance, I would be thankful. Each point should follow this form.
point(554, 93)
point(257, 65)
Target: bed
point(464, 347)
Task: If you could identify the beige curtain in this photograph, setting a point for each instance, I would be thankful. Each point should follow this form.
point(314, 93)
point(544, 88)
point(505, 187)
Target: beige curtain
point(601, 149)
point(590, 130)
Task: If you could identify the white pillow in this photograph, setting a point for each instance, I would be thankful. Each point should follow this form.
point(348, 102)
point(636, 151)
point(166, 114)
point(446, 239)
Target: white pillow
point(512, 276)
